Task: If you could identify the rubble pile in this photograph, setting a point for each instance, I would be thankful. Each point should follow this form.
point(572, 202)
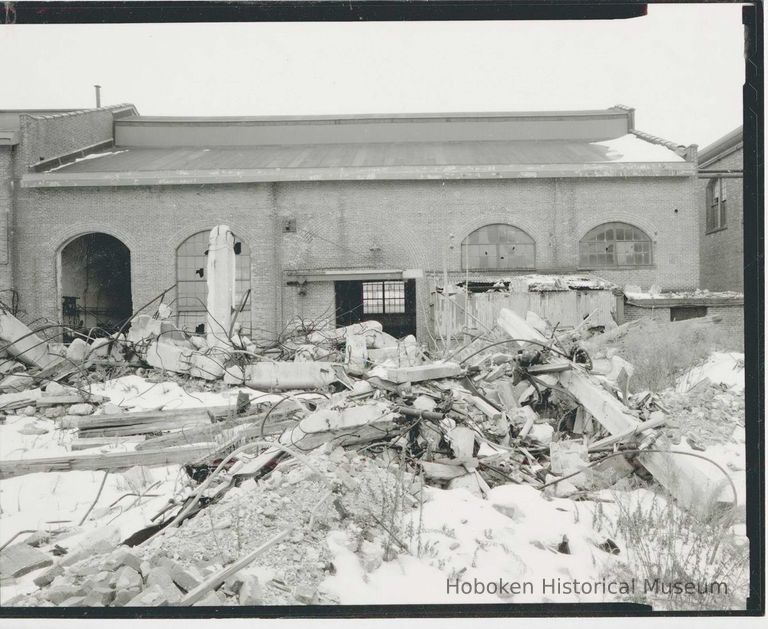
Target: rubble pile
point(236, 474)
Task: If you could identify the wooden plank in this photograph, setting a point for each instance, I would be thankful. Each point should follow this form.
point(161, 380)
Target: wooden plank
point(193, 596)
point(202, 415)
point(210, 434)
point(97, 442)
point(654, 422)
point(109, 461)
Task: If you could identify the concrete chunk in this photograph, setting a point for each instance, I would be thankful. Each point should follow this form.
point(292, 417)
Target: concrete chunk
point(159, 578)
point(355, 424)
point(169, 357)
point(21, 559)
point(24, 344)
point(128, 578)
point(250, 591)
point(286, 375)
point(432, 371)
point(151, 597)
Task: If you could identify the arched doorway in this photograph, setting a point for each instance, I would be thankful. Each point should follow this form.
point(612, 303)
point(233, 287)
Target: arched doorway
point(95, 282)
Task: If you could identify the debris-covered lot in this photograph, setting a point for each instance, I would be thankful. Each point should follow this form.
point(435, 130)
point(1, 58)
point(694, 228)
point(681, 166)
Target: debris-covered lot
point(344, 466)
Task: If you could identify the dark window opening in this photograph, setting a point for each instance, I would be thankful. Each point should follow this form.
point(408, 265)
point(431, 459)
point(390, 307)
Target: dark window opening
point(390, 302)
point(681, 313)
point(716, 205)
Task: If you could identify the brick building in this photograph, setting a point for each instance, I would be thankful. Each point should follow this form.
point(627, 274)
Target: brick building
point(721, 208)
point(352, 215)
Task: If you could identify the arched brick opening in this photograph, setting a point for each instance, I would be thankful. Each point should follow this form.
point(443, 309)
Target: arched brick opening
point(95, 282)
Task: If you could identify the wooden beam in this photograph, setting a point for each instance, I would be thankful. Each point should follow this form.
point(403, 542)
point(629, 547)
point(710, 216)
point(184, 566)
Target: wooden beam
point(193, 596)
point(110, 461)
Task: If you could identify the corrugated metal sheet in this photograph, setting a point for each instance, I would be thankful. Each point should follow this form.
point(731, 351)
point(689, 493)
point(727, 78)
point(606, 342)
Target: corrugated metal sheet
point(476, 314)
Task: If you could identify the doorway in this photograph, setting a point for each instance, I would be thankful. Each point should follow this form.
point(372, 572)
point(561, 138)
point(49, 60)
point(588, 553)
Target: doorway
point(95, 281)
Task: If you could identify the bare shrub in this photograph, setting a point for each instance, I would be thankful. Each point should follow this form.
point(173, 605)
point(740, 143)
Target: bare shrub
point(665, 548)
point(661, 352)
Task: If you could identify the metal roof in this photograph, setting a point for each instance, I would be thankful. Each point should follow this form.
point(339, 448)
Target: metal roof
point(344, 155)
point(721, 145)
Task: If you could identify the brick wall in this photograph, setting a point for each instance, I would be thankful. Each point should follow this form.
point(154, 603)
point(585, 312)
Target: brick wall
point(46, 137)
point(731, 316)
point(722, 251)
point(370, 224)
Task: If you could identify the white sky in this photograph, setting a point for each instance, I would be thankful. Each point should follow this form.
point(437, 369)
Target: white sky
point(681, 67)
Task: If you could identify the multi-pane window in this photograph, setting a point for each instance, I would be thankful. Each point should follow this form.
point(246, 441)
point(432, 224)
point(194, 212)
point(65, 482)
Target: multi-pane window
point(716, 204)
point(192, 287)
point(498, 246)
point(615, 245)
point(384, 297)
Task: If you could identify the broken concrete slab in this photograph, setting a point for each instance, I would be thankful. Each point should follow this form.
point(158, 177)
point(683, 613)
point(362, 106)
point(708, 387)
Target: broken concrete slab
point(128, 578)
point(462, 440)
point(24, 344)
point(21, 559)
point(161, 579)
point(356, 424)
point(431, 371)
point(143, 328)
point(356, 354)
point(169, 357)
point(250, 592)
point(337, 336)
point(151, 597)
point(209, 366)
point(282, 375)
point(440, 471)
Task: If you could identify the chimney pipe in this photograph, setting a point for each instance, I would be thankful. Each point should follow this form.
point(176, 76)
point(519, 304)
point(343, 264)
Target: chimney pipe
point(98, 96)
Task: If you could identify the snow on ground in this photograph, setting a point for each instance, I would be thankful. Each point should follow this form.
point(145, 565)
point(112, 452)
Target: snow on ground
point(724, 368)
point(512, 536)
point(134, 393)
point(53, 501)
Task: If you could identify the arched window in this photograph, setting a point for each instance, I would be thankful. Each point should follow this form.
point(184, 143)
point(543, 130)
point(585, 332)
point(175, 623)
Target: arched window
point(615, 245)
point(498, 246)
point(191, 284)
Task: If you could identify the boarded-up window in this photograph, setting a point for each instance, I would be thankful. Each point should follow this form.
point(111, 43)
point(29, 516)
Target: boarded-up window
point(498, 246)
point(615, 245)
point(192, 288)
